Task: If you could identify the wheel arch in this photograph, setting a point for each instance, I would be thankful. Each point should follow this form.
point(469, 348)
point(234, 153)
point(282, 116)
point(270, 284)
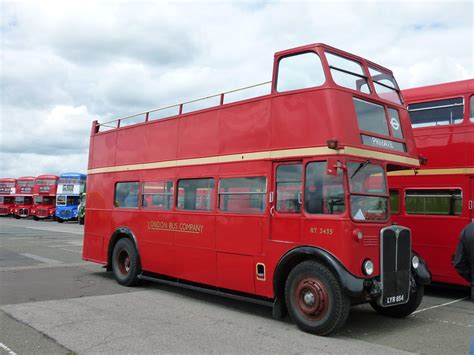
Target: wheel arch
point(351, 284)
point(120, 233)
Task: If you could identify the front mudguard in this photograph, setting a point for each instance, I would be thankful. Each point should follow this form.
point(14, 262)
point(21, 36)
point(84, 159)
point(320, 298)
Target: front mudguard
point(422, 274)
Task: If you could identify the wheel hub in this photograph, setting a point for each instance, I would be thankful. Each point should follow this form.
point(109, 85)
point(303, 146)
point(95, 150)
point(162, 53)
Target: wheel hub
point(308, 298)
point(123, 262)
point(312, 298)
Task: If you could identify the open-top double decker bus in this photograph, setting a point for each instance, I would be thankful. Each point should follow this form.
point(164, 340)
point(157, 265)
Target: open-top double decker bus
point(279, 199)
point(7, 196)
point(24, 197)
point(436, 202)
point(70, 188)
point(44, 197)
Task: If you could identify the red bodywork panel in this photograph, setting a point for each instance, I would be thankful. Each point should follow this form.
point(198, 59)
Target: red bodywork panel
point(46, 187)
point(450, 153)
point(238, 139)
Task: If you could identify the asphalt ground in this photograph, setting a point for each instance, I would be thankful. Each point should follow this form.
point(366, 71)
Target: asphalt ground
point(51, 302)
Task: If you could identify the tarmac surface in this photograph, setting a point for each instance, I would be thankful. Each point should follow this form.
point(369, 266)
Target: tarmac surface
point(52, 302)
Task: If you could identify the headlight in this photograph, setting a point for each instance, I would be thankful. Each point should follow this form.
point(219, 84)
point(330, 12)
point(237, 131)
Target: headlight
point(415, 262)
point(368, 267)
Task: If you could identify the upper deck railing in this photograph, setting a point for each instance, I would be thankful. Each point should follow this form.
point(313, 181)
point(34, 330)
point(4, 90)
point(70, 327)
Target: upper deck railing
point(184, 107)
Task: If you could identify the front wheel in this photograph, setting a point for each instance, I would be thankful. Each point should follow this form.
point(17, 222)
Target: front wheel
point(315, 299)
point(36, 218)
point(402, 310)
point(125, 262)
point(59, 220)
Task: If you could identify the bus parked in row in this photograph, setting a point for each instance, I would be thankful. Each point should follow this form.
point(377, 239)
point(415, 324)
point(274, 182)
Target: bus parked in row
point(436, 202)
point(24, 197)
point(70, 188)
point(7, 196)
point(44, 197)
point(280, 199)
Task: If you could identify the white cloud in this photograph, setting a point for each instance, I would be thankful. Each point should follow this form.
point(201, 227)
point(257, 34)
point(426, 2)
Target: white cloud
point(64, 64)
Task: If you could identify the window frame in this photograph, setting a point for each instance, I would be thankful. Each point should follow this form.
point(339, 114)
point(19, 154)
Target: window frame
point(213, 199)
point(433, 215)
point(143, 194)
point(115, 194)
point(396, 88)
point(434, 124)
point(277, 76)
point(471, 109)
point(348, 72)
point(400, 197)
point(265, 193)
point(275, 202)
point(345, 190)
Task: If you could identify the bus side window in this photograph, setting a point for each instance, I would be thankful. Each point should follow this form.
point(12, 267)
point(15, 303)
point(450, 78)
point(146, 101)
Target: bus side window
point(324, 194)
point(446, 202)
point(157, 195)
point(126, 194)
point(471, 104)
point(289, 183)
point(243, 195)
point(394, 201)
point(196, 194)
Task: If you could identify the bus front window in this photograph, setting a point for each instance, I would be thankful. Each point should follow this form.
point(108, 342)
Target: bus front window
point(61, 200)
point(368, 187)
point(38, 200)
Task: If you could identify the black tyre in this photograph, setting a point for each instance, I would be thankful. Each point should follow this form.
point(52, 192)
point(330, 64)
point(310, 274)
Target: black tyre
point(16, 216)
point(125, 263)
point(36, 218)
point(402, 310)
point(59, 220)
point(81, 220)
point(315, 299)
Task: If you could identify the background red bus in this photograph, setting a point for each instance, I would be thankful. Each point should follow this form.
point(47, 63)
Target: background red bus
point(7, 196)
point(44, 197)
point(24, 196)
point(436, 203)
point(280, 199)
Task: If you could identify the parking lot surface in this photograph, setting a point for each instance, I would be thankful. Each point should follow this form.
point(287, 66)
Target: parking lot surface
point(53, 302)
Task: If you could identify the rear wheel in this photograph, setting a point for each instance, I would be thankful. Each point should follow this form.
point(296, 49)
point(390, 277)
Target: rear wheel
point(402, 310)
point(315, 299)
point(125, 262)
point(81, 220)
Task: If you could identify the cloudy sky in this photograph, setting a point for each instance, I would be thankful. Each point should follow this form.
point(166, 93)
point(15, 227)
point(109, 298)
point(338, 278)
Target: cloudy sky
point(66, 63)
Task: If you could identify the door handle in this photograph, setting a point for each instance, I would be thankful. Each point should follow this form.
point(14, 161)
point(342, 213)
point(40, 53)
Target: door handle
point(272, 210)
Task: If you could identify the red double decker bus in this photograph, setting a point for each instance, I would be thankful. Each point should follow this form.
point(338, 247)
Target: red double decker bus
point(24, 197)
point(44, 197)
point(436, 202)
point(7, 196)
point(280, 199)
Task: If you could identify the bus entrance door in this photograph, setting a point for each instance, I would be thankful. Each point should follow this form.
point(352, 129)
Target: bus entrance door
point(287, 205)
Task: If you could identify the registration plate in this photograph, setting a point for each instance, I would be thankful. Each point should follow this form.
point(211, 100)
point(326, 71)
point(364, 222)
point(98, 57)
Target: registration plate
point(394, 300)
